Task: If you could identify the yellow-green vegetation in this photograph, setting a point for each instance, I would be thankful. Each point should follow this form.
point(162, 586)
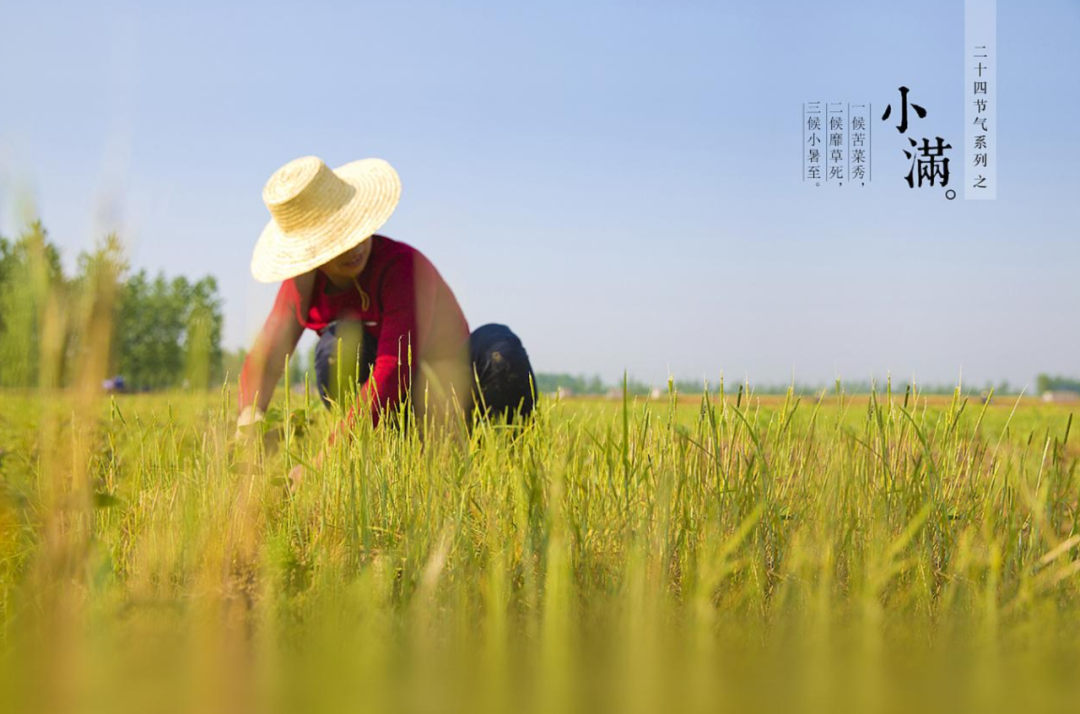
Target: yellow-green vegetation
point(730, 553)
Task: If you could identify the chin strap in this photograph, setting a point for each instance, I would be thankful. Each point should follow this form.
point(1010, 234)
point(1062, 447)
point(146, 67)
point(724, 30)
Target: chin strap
point(365, 301)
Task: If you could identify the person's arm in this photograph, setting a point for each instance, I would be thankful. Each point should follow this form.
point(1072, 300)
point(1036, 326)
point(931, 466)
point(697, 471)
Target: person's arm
point(264, 364)
point(406, 318)
point(407, 298)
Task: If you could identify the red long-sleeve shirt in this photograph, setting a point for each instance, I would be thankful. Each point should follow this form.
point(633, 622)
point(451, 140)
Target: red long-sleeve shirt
point(400, 299)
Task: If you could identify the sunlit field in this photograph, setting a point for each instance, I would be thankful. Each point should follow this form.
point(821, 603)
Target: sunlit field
point(819, 551)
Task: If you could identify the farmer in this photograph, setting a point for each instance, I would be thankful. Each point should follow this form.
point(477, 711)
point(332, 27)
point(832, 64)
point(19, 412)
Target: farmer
point(377, 304)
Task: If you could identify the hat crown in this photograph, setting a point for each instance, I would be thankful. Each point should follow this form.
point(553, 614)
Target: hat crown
point(303, 193)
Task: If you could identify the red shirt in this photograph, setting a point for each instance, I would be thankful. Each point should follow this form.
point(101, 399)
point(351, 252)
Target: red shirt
point(402, 302)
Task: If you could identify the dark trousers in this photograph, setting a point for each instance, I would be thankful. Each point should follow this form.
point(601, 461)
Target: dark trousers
point(504, 383)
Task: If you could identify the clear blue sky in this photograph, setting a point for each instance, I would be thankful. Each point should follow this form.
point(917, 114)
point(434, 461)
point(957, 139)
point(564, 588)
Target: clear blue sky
point(618, 181)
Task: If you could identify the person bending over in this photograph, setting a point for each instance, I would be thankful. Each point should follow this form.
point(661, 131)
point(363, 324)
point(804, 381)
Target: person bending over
point(389, 326)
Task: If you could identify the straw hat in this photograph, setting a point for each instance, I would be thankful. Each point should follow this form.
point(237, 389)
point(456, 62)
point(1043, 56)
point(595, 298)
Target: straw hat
point(318, 214)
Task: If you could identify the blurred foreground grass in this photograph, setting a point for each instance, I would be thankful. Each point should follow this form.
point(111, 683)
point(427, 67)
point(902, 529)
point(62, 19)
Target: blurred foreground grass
point(863, 554)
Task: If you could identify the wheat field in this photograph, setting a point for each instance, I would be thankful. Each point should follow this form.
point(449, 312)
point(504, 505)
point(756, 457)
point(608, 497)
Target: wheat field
point(703, 553)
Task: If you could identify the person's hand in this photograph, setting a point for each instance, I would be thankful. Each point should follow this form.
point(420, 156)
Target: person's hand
point(248, 420)
point(252, 424)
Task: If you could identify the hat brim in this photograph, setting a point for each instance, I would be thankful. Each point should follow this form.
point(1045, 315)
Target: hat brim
point(281, 255)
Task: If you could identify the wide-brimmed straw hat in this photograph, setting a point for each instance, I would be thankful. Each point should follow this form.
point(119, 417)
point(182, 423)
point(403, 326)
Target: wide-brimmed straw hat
point(318, 214)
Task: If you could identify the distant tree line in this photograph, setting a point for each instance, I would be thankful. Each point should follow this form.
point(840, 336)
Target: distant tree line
point(578, 384)
point(156, 332)
point(581, 384)
point(1057, 383)
point(594, 385)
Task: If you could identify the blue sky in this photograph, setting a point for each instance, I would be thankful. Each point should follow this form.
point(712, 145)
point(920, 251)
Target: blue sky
point(618, 181)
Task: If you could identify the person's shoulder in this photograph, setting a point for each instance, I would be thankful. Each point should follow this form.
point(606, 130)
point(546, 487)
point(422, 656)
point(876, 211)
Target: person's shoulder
point(301, 284)
point(298, 290)
point(393, 250)
point(396, 256)
point(389, 248)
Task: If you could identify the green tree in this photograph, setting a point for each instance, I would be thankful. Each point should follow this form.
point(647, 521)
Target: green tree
point(7, 268)
point(32, 291)
point(1051, 383)
point(157, 333)
point(169, 332)
point(5, 262)
point(202, 333)
point(132, 341)
point(150, 328)
point(92, 348)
